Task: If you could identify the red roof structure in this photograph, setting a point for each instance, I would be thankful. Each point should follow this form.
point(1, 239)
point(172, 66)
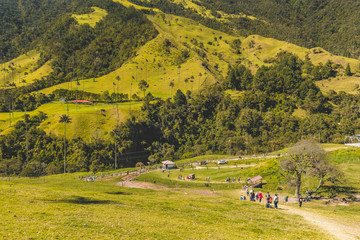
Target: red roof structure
point(168, 164)
point(81, 101)
point(256, 178)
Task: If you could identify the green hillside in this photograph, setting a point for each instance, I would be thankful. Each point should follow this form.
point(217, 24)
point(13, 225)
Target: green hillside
point(88, 121)
point(92, 18)
point(184, 55)
point(271, 86)
point(23, 70)
point(191, 59)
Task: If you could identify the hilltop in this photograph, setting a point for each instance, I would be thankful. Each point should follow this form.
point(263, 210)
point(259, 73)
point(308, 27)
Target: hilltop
point(184, 55)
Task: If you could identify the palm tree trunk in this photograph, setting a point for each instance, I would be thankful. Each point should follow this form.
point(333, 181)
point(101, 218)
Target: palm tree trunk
point(65, 148)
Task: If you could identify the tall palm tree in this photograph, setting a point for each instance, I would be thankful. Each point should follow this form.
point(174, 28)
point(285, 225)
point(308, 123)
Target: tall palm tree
point(65, 119)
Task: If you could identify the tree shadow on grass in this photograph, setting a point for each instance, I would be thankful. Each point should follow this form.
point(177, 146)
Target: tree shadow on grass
point(119, 193)
point(82, 200)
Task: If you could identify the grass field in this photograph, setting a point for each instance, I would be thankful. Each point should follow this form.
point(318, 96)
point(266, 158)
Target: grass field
point(349, 84)
point(67, 208)
point(62, 206)
point(23, 70)
point(87, 121)
point(91, 18)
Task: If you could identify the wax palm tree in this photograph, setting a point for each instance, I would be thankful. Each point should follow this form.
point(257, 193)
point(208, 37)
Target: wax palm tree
point(65, 119)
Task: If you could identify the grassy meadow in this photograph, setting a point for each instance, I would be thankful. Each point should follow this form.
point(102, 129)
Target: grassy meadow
point(63, 206)
point(23, 70)
point(87, 121)
point(91, 18)
point(67, 208)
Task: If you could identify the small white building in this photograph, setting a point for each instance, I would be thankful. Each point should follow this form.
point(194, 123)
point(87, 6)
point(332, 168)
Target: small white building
point(168, 164)
point(353, 141)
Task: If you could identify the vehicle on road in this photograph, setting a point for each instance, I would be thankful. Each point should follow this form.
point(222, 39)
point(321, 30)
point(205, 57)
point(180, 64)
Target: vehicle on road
point(222, 162)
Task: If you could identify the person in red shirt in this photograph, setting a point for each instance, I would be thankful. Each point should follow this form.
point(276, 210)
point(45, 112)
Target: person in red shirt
point(260, 196)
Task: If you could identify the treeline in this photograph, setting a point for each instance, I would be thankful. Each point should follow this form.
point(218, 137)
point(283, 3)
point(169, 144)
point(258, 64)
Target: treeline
point(83, 95)
point(28, 102)
point(29, 151)
point(288, 76)
point(261, 119)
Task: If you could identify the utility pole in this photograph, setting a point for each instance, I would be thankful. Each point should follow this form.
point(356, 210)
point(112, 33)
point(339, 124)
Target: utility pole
point(117, 98)
point(27, 139)
point(115, 153)
point(130, 97)
point(229, 146)
point(10, 111)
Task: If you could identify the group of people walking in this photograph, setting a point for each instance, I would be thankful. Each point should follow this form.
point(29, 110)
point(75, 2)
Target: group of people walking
point(229, 179)
point(258, 197)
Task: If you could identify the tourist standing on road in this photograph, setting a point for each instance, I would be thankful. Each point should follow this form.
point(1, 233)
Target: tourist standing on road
point(260, 196)
point(257, 196)
point(267, 196)
point(300, 200)
point(252, 196)
point(286, 200)
point(276, 200)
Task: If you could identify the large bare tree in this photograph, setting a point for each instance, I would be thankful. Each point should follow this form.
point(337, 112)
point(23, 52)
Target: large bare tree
point(300, 160)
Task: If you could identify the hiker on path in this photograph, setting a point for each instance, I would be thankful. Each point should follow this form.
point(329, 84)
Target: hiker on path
point(252, 198)
point(300, 200)
point(268, 201)
point(286, 200)
point(267, 196)
point(257, 196)
point(276, 200)
point(260, 196)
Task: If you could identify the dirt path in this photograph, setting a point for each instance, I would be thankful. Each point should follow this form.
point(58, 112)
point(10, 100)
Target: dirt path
point(144, 185)
point(336, 229)
point(128, 182)
point(231, 166)
point(333, 228)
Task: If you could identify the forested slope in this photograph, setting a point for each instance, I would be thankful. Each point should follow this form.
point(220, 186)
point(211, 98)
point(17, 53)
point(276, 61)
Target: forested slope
point(329, 24)
point(126, 55)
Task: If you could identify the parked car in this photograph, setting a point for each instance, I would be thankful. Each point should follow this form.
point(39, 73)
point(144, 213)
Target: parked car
point(222, 162)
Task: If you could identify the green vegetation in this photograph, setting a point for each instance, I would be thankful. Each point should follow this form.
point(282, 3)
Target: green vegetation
point(93, 18)
point(65, 207)
point(306, 23)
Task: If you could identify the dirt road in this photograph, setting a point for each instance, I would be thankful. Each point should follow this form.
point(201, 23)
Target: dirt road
point(336, 229)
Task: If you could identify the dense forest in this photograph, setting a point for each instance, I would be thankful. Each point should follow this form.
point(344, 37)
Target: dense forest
point(260, 120)
point(262, 117)
point(76, 51)
point(330, 24)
